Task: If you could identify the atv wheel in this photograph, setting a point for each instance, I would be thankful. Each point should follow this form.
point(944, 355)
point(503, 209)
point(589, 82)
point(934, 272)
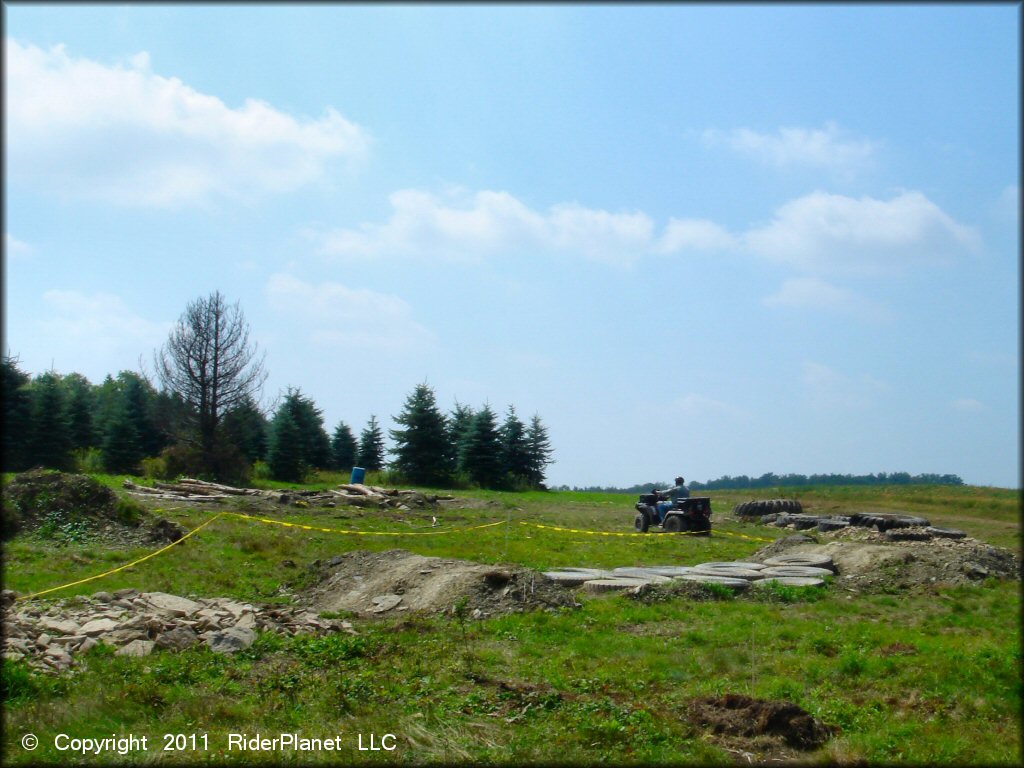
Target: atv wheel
point(673, 523)
point(642, 522)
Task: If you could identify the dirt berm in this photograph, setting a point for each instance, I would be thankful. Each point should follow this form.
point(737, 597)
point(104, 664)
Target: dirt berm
point(388, 583)
point(867, 561)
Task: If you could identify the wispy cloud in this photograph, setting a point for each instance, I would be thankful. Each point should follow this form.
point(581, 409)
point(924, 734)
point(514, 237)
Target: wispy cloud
point(125, 134)
point(99, 322)
point(470, 227)
point(348, 318)
point(826, 233)
point(812, 293)
point(827, 148)
point(15, 248)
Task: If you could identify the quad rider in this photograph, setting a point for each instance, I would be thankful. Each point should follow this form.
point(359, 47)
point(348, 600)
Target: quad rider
point(670, 495)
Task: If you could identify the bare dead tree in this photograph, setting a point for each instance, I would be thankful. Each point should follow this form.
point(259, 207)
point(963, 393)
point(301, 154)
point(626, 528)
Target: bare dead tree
point(209, 362)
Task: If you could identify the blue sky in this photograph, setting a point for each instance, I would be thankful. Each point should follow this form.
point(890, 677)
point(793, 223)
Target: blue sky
point(696, 239)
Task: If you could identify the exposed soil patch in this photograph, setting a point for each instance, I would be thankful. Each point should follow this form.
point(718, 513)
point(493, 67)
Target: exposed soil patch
point(870, 561)
point(387, 583)
point(738, 715)
point(68, 507)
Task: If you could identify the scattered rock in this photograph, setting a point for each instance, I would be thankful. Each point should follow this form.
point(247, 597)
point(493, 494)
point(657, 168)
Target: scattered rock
point(230, 640)
point(136, 648)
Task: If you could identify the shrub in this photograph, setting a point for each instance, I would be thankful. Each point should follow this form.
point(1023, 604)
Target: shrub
point(155, 468)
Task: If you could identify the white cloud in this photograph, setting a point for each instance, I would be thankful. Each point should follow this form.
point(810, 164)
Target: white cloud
point(819, 233)
point(815, 294)
point(87, 327)
point(826, 233)
point(1008, 206)
point(967, 405)
point(470, 227)
point(694, 234)
point(15, 248)
point(124, 134)
point(348, 318)
point(815, 148)
point(829, 390)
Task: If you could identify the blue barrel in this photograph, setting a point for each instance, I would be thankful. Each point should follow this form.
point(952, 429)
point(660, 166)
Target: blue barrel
point(358, 475)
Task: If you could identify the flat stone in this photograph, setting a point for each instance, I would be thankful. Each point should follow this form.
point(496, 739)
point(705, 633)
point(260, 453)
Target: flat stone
point(178, 639)
point(103, 597)
point(87, 645)
point(136, 648)
point(173, 604)
point(384, 603)
point(98, 627)
point(57, 626)
point(230, 640)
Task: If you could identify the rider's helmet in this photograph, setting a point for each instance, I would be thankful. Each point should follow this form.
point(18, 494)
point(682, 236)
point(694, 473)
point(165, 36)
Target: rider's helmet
point(680, 481)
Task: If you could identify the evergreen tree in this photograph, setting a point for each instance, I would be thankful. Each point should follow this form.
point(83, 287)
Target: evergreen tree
point(515, 447)
point(285, 455)
point(17, 415)
point(371, 446)
point(459, 422)
point(122, 449)
point(49, 437)
point(81, 402)
point(304, 430)
point(481, 452)
point(540, 451)
point(343, 447)
point(423, 450)
point(138, 396)
point(246, 428)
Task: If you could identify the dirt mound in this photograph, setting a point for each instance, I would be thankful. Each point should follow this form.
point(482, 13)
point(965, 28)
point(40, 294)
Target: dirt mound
point(41, 497)
point(738, 715)
point(385, 583)
point(870, 561)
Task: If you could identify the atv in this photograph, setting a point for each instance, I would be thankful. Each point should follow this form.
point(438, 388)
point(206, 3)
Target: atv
point(691, 514)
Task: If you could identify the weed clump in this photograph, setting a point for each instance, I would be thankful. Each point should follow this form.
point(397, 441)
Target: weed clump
point(62, 506)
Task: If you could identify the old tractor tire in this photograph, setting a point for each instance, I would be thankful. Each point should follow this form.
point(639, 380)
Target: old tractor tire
point(733, 564)
point(707, 578)
point(612, 585)
point(673, 523)
point(946, 533)
point(828, 524)
point(730, 573)
point(639, 573)
point(802, 558)
point(797, 570)
point(568, 578)
point(791, 581)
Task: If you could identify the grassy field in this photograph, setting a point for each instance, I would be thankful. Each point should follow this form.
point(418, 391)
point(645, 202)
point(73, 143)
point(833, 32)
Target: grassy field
point(929, 677)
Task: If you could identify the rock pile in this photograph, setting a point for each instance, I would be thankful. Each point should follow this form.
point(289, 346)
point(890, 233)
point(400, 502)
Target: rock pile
point(49, 634)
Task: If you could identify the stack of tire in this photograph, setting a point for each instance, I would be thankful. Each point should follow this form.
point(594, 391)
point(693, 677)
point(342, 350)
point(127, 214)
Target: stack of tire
point(798, 570)
point(767, 507)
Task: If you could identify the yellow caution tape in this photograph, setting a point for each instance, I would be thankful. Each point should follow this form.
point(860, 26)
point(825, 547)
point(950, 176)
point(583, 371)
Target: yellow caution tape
point(437, 532)
point(123, 567)
point(602, 533)
point(261, 520)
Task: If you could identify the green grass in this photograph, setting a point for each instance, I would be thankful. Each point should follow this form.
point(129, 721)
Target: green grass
point(920, 678)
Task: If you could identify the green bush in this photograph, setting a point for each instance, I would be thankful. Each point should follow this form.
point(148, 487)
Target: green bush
point(89, 461)
point(155, 468)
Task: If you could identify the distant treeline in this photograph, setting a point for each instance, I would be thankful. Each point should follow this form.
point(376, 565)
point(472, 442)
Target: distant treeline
point(771, 480)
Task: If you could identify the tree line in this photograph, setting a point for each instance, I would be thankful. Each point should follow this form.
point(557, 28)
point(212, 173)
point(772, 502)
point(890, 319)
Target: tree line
point(205, 421)
point(771, 480)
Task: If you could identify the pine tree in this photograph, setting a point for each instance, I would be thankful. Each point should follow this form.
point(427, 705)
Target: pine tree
point(459, 422)
point(49, 437)
point(285, 455)
point(138, 396)
point(246, 428)
point(81, 402)
point(17, 416)
point(371, 446)
point(122, 449)
point(480, 458)
point(540, 451)
point(343, 447)
point(304, 430)
point(515, 448)
point(423, 450)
